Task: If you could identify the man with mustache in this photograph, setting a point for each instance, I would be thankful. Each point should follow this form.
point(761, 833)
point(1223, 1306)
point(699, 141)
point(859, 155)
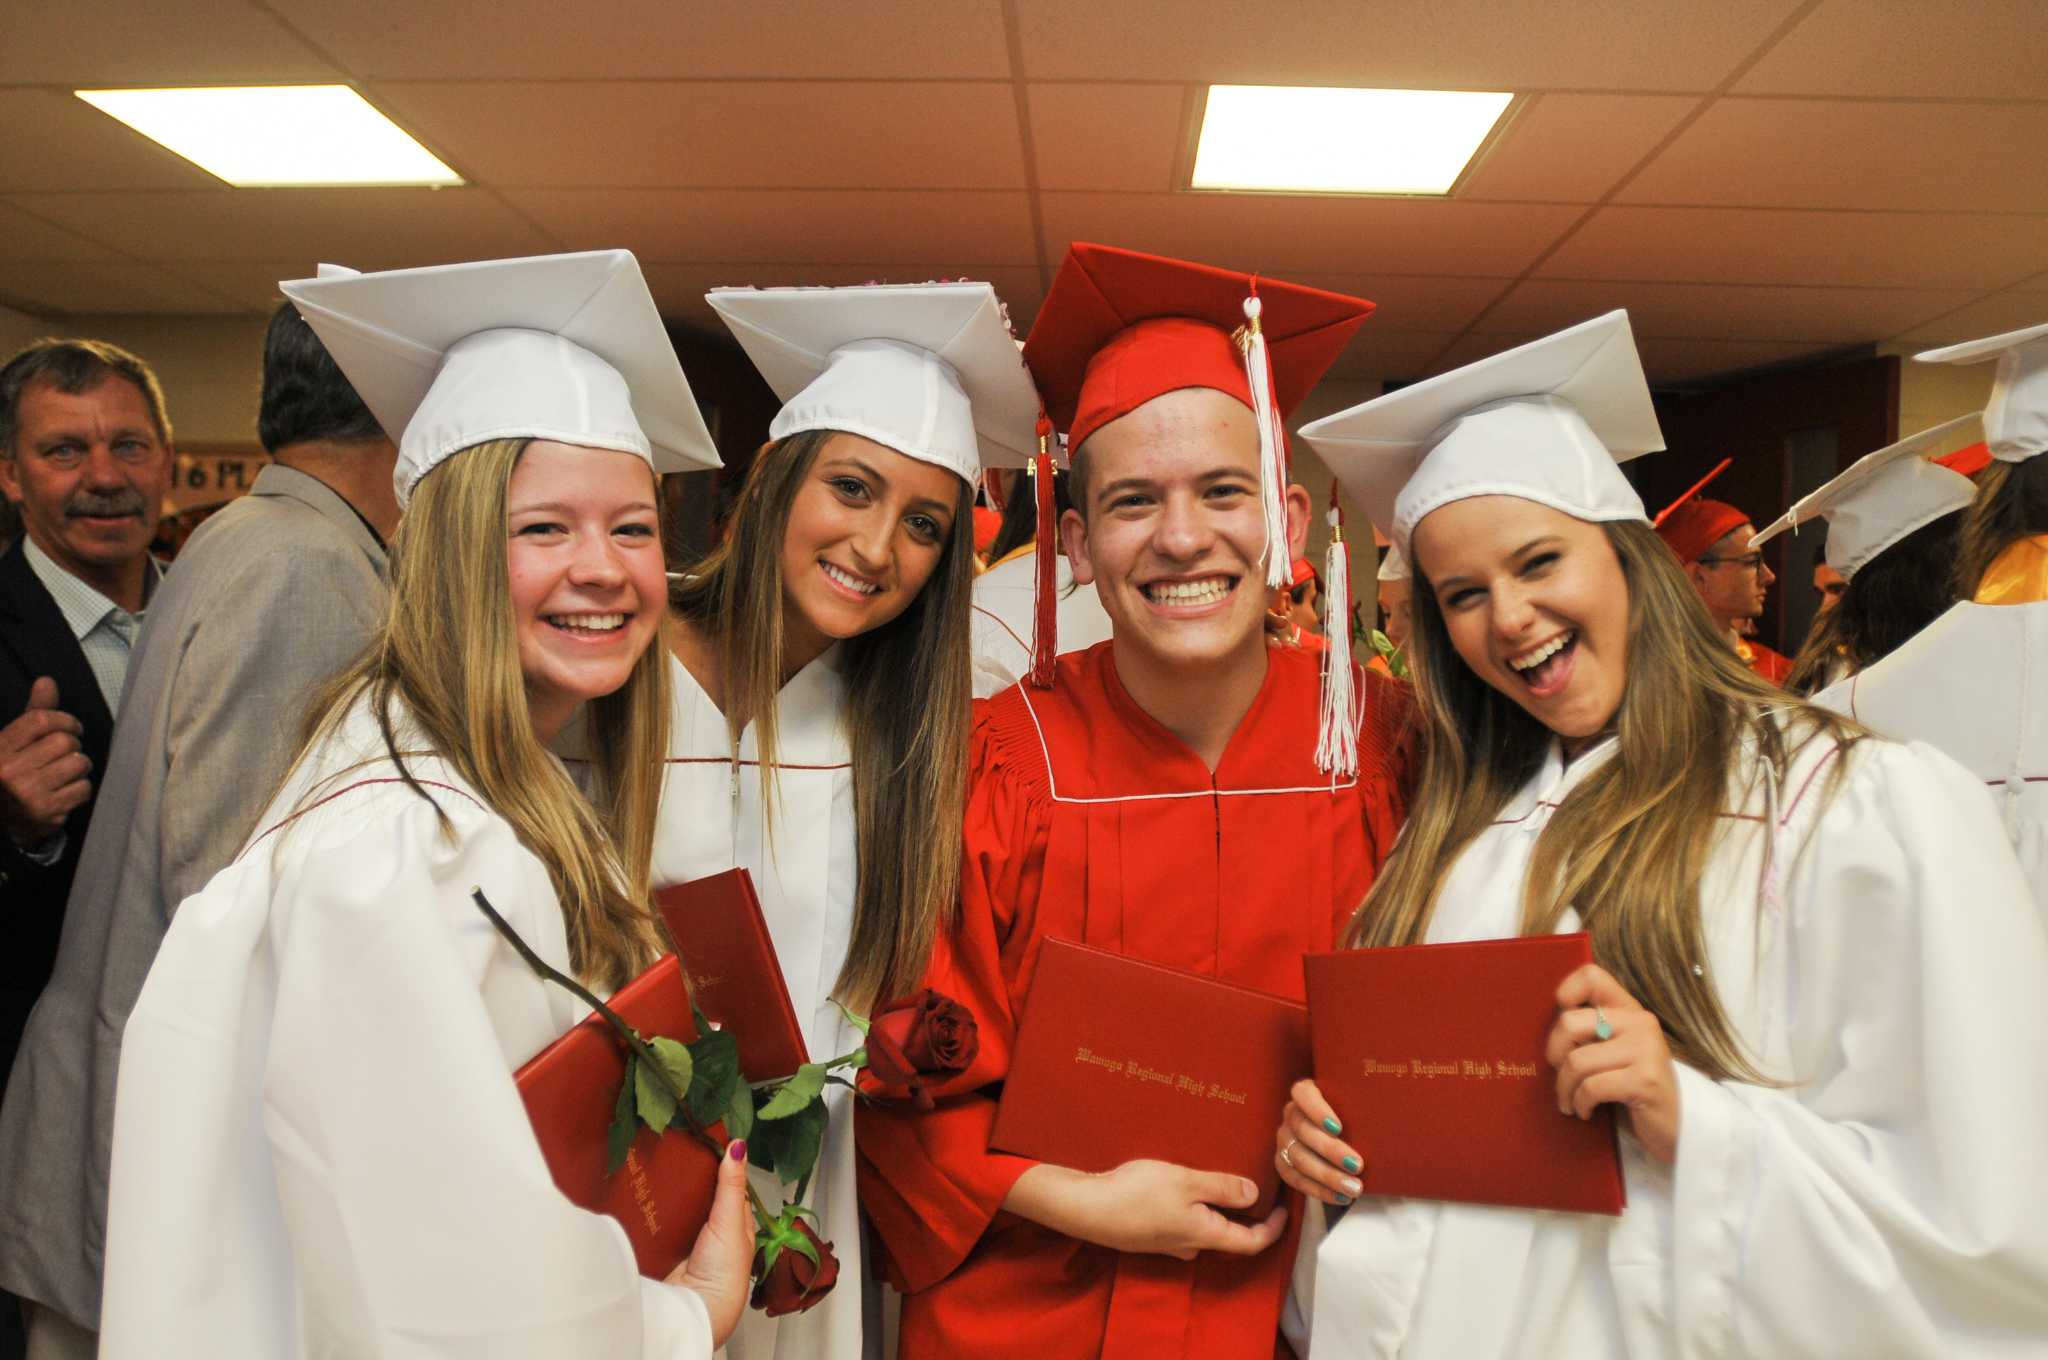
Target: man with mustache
point(85, 457)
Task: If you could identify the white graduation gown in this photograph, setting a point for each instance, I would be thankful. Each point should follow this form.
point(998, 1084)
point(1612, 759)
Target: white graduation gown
point(1879, 951)
point(318, 1146)
point(1001, 625)
point(804, 870)
point(1975, 684)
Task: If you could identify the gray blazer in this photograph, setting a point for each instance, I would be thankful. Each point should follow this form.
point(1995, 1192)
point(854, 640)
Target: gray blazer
point(271, 597)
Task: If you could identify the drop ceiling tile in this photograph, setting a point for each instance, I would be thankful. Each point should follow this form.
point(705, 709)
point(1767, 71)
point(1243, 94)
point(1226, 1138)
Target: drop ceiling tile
point(659, 39)
point(1408, 302)
point(418, 226)
point(1292, 234)
point(743, 134)
point(1994, 315)
point(1693, 361)
point(1838, 316)
point(948, 232)
point(50, 139)
point(104, 288)
point(1665, 362)
point(1435, 44)
point(1574, 148)
point(1066, 130)
point(1854, 249)
point(1800, 153)
point(23, 237)
point(165, 42)
point(679, 288)
point(252, 282)
point(1400, 355)
point(1988, 49)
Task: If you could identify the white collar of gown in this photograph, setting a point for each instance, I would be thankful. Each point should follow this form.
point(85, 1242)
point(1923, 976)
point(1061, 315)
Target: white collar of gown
point(713, 817)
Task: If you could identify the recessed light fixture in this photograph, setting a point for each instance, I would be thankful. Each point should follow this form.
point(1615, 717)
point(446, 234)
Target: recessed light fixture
point(276, 136)
point(1340, 141)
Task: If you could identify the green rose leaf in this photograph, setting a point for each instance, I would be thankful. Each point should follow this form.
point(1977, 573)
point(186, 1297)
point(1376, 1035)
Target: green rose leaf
point(771, 1251)
point(657, 1105)
point(1383, 647)
point(803, 1133)
point(717, 1055)
point(795, 1094)
point(625, 1123)
point(676, 1060)
point(739, 1111)
point(859, 1022)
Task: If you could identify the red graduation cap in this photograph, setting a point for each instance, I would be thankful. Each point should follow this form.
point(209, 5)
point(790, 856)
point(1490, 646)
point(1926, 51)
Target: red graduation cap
point(1121, 327)
point(1692, 524)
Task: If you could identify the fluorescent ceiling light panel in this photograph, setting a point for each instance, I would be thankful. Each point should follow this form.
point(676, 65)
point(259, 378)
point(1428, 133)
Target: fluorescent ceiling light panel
point(1310, 140)
point(275, 136)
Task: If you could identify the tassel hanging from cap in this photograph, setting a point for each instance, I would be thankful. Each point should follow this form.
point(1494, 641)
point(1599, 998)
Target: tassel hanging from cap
point(1337, 727)
point(1045, 592)
point(1258, 371)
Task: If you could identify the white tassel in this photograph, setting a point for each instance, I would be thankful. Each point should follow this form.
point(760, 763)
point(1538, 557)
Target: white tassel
point(1337, 732)
point(1272, 448)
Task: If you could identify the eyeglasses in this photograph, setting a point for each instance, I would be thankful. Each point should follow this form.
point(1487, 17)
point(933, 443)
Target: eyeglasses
point(1748, 561)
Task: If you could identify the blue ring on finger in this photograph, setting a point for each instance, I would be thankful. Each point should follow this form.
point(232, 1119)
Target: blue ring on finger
point(1601, 1029)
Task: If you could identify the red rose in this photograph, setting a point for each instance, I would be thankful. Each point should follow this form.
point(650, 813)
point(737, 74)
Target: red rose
point(926, 1034)
point(795, 1282)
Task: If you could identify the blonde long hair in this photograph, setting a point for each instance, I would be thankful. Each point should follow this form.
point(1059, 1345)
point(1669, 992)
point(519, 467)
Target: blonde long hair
point(447, 656)
point(909, 688)
point(1630, 844)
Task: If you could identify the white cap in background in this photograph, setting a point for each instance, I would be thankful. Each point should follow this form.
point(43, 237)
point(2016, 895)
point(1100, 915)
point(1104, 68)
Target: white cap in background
point(2016, 417)
point(1882, 497)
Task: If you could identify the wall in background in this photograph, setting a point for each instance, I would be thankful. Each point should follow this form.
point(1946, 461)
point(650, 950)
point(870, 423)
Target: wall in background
point(17, 329)
point(1932, 393)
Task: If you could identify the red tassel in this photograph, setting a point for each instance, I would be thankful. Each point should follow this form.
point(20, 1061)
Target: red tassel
point(1045, 600)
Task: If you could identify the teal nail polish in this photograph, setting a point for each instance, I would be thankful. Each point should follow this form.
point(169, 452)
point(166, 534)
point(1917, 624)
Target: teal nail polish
point(1343, 1199)
point(1351, 1164)
point(1332, 1127)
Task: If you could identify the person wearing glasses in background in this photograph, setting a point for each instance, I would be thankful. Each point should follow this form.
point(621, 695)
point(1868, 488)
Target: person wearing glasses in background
point(1712, 539)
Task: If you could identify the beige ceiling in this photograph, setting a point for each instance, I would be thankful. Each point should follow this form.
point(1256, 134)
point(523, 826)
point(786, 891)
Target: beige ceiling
point(1759, 181)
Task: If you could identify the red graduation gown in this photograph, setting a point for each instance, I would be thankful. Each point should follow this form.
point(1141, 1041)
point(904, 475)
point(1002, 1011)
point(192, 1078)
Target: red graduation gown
point(1775, 667)
point(1088, 820)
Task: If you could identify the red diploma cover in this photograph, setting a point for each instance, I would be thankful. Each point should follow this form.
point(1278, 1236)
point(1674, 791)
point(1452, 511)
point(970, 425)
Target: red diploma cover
point(1118, 1058)
point(1432, 1055)
point(718, 929)
point(662, 1195)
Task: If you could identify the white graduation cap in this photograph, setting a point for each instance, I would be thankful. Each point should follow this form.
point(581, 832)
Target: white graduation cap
point(561, 347)
point(1548, 421)
point(2016, 417)
point(1880, 498)
point(1394, 567)
point(929, 369)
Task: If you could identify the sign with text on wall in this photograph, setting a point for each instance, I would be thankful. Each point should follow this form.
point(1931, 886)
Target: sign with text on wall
point(208, 477)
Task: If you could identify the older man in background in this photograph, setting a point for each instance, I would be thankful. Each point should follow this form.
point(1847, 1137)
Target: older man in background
point(269, 598)
point(85, 459)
